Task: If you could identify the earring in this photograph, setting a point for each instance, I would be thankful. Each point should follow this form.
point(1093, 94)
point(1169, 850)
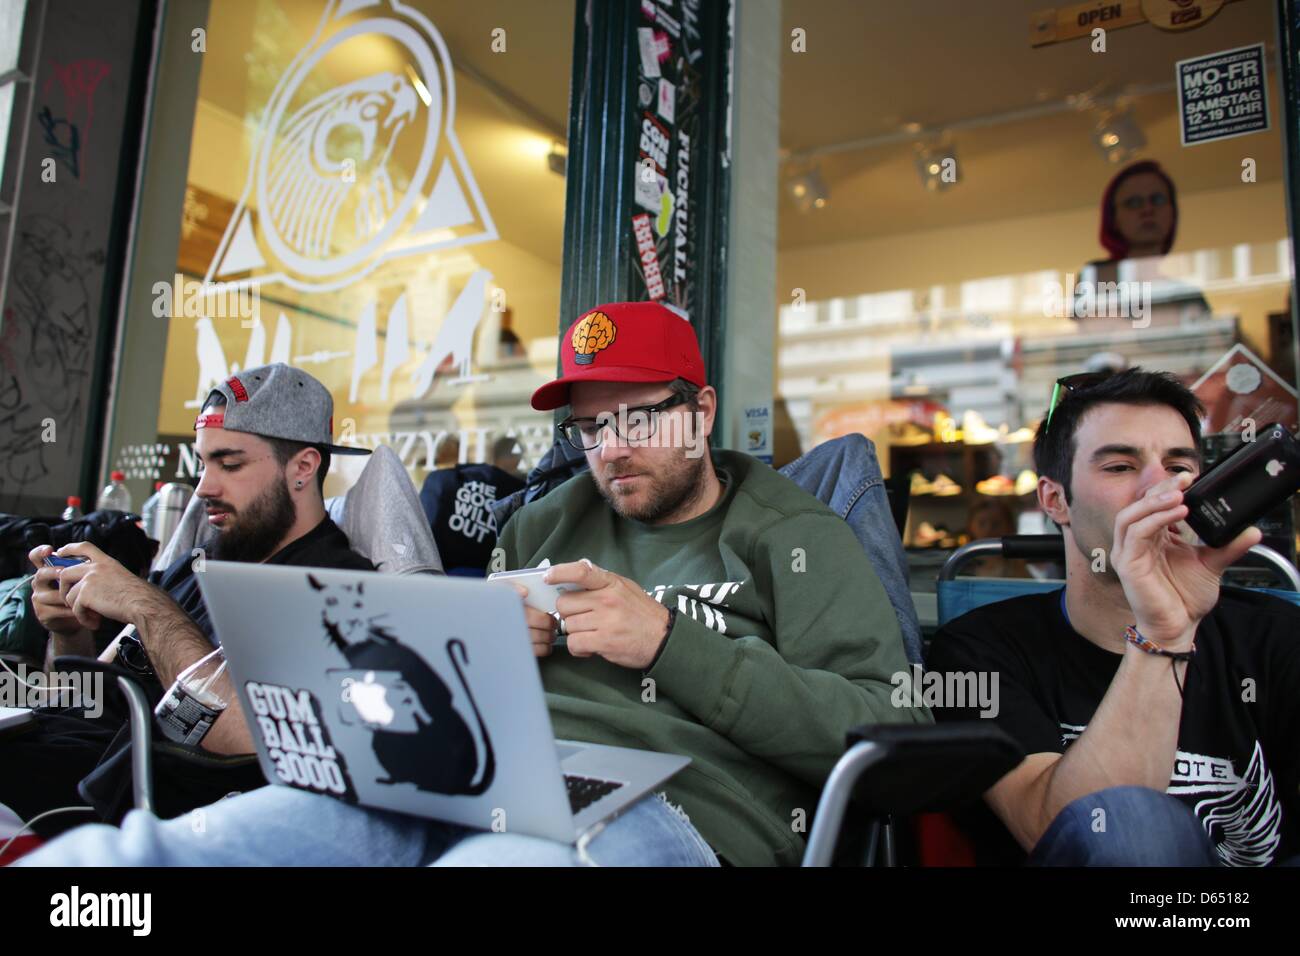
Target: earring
point(299, 485)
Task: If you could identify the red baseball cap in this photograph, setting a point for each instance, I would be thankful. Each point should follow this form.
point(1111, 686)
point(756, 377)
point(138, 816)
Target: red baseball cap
point(624, 342)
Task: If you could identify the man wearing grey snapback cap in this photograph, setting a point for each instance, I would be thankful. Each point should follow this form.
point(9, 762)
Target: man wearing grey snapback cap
point(265, 438)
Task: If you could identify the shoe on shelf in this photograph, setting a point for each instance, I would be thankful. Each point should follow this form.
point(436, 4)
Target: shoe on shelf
point(927, 536)
point(1019, 436)
point(1026, 482)
point(945, 429)
point(997, 485)
point(919, 485)
point(943, 486)
point(908, 433)
point(977, 431)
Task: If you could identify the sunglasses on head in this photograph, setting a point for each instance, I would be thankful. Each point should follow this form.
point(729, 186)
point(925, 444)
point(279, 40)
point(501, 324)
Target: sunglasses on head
point(132, 656)
point(1072, 383)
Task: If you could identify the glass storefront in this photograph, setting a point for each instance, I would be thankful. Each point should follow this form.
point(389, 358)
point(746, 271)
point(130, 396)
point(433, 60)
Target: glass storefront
point(377, 192)
point(378, 196)
point(947, 250)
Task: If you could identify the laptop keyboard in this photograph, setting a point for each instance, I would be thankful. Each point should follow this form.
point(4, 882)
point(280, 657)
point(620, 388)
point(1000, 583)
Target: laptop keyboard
point(584, 791)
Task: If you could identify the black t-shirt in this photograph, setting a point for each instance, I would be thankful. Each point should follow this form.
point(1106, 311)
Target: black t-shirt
point(458, 503)
point(1238, 760)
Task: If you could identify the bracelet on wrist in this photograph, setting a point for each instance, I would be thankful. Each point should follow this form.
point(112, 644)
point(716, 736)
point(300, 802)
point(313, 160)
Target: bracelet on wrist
point(1135, 637)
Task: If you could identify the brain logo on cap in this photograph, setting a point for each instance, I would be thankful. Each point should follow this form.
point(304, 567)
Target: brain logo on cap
point(594, 333)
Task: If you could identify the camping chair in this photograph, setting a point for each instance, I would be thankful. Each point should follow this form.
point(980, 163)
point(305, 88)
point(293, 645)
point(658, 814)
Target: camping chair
point(382, 517)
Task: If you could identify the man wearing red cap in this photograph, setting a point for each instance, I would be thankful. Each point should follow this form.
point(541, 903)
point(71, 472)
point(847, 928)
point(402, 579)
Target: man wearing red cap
point(725, 614)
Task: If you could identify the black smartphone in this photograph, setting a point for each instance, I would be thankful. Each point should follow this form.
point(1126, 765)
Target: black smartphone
point(1244, 487)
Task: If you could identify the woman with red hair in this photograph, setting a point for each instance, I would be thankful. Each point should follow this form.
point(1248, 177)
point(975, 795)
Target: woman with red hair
point(1139, 219)
point(1139, 212)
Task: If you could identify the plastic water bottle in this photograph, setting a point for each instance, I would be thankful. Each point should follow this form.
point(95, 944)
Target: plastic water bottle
point(115, 496)
point(73, 511)
point(192, 705)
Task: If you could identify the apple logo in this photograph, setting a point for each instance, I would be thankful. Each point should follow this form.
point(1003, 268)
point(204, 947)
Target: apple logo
point(368, 697)
point(1274, 468)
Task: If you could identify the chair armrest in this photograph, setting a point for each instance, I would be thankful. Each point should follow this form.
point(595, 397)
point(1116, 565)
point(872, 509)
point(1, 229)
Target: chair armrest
point(140, 719)
point(143, 743)
point(931, 768)
point(906, 769)
point(202, 758)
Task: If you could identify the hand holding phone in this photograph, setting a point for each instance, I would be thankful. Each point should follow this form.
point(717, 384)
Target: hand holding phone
point(541, 595)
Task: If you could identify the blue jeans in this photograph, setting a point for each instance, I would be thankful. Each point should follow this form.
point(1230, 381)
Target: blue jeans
point(1125, 826)
point(280, 826)
point(844, 474)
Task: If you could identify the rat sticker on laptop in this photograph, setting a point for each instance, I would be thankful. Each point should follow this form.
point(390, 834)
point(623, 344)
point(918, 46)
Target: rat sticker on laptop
point(417, 735)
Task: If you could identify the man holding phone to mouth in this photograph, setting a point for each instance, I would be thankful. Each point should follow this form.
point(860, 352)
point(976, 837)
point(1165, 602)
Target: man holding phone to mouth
point(1159, 711)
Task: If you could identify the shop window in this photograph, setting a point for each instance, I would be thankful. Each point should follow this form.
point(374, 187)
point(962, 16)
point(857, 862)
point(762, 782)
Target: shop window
point(960, 257)
point(377, 193)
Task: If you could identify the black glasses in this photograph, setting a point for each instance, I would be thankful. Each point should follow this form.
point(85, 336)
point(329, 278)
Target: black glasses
point(636, 423)
point(1073, 383)
point(1137, 202)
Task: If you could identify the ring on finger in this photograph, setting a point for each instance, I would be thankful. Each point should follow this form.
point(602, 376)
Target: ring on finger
point(563, 627)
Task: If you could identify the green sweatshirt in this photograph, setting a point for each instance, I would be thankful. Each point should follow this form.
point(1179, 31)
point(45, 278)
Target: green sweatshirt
point(784, 640)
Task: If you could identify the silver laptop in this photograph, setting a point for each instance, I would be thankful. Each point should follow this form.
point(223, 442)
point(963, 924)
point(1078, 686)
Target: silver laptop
point(417, 693)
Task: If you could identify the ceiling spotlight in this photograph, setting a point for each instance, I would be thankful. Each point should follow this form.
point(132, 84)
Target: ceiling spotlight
point(808, 190)
point(937, 165)
point(1118, 136)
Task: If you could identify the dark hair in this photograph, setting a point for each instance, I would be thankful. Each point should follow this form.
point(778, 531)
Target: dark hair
point(283, 448)
point(1054, 444)
point(503, 446)
point(1111, 238)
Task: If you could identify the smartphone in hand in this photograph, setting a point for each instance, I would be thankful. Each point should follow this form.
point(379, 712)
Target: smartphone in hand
point(1244, 487)
point(540, 594)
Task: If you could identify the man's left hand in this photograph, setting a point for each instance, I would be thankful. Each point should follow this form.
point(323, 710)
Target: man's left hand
point(612, 617)
point(100, 587)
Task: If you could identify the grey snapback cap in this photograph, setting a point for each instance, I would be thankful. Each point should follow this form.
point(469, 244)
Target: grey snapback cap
point(277, 401)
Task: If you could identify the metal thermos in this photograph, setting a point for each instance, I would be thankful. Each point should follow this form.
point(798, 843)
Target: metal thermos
point(172, 499)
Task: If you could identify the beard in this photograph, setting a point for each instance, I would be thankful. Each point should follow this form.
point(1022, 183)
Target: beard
point(668, 493)
point(254, 532)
